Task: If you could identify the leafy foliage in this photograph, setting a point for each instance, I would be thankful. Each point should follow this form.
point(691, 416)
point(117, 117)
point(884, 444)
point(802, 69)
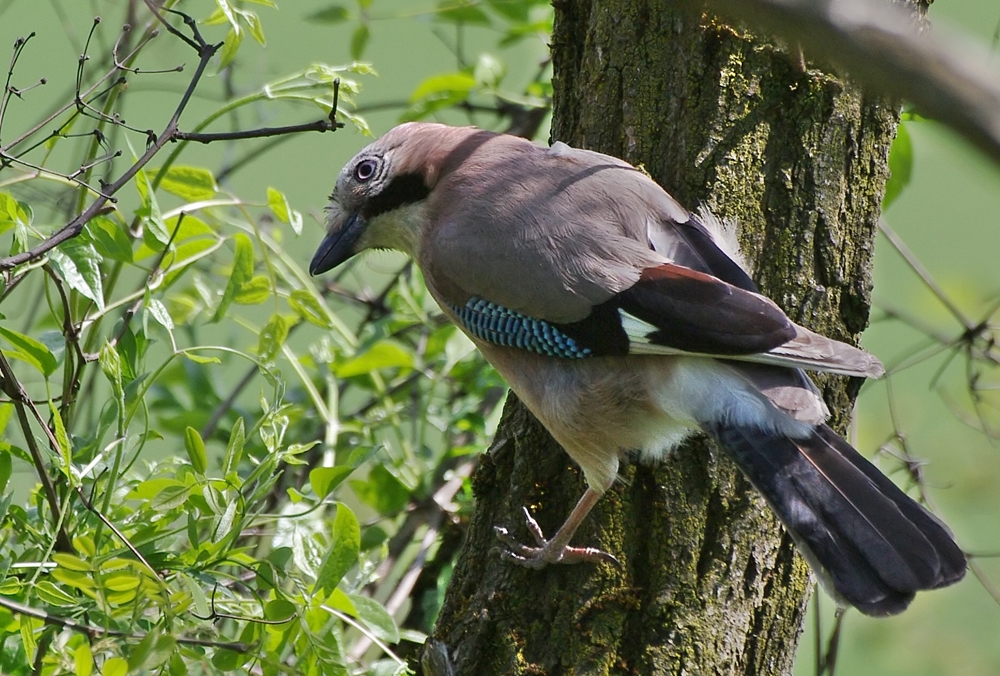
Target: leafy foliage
point(209, 463)
point(477, 84)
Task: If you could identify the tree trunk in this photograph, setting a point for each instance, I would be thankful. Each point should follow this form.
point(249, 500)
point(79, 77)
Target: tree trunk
point(709, 583)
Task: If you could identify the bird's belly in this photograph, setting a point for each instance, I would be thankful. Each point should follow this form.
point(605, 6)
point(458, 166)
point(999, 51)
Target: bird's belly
point(599, 408)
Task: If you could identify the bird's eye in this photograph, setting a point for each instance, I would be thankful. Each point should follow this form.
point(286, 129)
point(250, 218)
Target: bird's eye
point(365, 170)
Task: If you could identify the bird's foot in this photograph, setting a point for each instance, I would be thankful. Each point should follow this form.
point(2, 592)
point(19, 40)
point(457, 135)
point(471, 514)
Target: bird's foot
point(546, 551)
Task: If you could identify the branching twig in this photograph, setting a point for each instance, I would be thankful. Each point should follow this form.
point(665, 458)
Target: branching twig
point(8, 90)
point(75, 226)
point(62, 109)
point(170, 133)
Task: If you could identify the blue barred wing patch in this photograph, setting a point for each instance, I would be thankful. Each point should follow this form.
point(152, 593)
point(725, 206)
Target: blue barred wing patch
point(502, 326)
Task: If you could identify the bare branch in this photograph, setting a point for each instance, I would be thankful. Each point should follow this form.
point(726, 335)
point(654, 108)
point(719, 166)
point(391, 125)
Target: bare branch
point(325, 124)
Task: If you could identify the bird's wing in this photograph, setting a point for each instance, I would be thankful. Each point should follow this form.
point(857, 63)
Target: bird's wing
point(689, 243)
point(557, 258)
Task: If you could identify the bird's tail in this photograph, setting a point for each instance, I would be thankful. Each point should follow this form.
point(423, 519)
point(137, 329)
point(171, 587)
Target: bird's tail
point(870, 544)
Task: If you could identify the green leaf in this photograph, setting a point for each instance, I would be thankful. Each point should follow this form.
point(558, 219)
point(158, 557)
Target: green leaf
point(234, 449)
point(343, 552)
point(226, 521)
point(309, 308)
point(900, 166)
point(359, 40)
point(6, 468)
point(70, 562)
point(383, 491)
point(462, 11)
point(199, 359)
point(115, 666)
point(54, 596)
point(225, 659)
point(140, 652)
point(195, 446)
point(27, 626)
point(74, 578)
point(192, 184)
point(169, 498)
point(59, 432)
point(331, 15)
point(241, 274)
point(324, 479)
point(83, 660)
point(154, 234)
point(272, 337)
point(387, 667)
point(376, 618)
point(279, 610)
point(121, 582)
point(79, 264)
point(225, 6)
point(448, 83)
point(188, 227)
point(257, 290)
point(13, 213)
point(513, 10)
point(158, 311)
point(197, 594)
point(382, 355)
point(230, 46)
point(279, 206)
point(216, 18)
point(85, 545)
point(150, 488)
point(29, 350)
point(254, 26)
point(110, 240)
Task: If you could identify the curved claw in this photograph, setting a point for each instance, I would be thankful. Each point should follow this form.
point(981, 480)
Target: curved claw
point(547, 551)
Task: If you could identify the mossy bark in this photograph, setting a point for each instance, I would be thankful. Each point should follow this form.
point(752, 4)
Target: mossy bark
point(709, 583)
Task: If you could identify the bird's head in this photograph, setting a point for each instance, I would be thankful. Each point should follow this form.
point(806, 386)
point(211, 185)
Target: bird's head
point(380, 197)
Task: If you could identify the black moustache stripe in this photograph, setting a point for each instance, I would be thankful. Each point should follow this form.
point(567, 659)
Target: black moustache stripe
point(401, 190)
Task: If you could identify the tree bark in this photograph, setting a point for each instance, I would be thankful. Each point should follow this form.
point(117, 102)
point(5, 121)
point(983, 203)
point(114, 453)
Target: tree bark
point(709, 582)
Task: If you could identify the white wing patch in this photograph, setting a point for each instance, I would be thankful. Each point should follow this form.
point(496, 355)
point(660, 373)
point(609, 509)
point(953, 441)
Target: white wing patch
point(832, 357)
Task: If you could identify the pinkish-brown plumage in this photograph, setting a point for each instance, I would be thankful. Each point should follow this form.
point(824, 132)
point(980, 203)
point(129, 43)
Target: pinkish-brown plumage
point(621, 324)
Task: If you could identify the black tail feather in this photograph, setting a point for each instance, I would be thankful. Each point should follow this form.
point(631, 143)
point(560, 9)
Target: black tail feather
point(865, 538)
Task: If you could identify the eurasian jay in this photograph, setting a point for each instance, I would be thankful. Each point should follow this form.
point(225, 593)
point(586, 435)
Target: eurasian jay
point(616, 317)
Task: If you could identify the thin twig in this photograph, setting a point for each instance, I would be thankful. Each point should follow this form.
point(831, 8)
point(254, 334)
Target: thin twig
point(95, 631)
point(925, 276)
point(121, 536)
point(319, 125)
point(205, 52)
point(12, 386)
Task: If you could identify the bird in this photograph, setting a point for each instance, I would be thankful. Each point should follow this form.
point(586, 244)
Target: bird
point(626, 324)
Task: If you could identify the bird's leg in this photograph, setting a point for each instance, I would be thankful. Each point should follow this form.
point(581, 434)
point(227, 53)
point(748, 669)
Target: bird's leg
point(556, 550)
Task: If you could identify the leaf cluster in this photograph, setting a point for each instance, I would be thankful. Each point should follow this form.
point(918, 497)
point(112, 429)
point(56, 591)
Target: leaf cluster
point(209, 462)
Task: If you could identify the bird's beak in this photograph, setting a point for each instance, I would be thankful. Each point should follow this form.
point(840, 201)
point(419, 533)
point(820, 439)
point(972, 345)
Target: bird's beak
point(338, 245)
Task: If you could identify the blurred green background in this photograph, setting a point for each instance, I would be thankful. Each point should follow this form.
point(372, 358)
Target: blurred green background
point(949, 216)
